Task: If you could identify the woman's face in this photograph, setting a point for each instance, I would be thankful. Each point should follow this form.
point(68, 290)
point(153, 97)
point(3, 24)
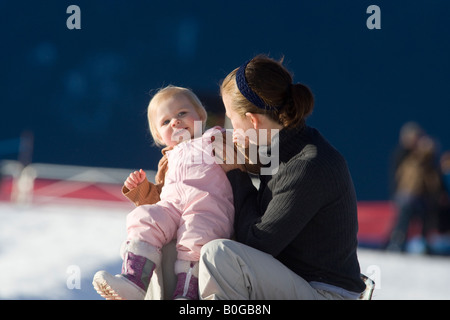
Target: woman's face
point(238, 121)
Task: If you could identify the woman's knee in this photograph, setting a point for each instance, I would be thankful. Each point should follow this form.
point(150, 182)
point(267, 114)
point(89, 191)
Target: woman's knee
point(219, 252)
point(214, 246)
point(218, 270)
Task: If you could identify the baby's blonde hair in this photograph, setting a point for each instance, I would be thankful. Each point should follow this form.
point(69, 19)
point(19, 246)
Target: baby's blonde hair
point(165, 93)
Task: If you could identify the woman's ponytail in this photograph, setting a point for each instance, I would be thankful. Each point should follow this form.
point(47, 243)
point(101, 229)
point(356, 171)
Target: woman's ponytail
point(286, 103)
point(299, 105)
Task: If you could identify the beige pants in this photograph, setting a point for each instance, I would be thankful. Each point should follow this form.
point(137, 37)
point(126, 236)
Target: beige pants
point(230, 270)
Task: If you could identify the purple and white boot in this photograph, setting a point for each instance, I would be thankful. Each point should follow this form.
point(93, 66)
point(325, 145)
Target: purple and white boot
point(187, 283)
point(139, 261)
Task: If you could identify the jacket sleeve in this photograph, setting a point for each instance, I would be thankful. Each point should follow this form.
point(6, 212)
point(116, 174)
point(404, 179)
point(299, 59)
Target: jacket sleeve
point(145, 193)
point(289, 206)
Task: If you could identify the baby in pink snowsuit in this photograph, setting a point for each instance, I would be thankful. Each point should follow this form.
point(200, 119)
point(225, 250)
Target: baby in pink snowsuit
point(196, 203)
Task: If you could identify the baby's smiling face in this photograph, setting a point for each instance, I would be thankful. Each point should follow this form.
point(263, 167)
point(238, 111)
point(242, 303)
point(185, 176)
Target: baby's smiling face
point(175, 118)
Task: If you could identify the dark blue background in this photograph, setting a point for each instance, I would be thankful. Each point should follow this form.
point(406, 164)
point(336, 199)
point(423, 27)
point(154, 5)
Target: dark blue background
point(84, 93)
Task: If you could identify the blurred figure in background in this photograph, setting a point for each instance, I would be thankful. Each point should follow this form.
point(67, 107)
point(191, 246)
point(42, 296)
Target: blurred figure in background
point(441, 240)
point(410, 133)
point(418, 191)
point(444, 212)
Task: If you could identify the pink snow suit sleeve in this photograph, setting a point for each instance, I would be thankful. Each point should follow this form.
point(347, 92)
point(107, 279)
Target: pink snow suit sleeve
point(196, 202)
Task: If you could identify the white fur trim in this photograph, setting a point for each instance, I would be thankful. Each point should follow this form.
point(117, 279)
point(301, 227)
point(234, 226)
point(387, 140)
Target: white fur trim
point(144, 249)
point(123, 249)
point(184, 266)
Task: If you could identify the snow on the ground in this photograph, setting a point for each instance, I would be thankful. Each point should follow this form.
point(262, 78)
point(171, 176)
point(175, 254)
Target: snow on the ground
point(406, 276)
point(52, 251)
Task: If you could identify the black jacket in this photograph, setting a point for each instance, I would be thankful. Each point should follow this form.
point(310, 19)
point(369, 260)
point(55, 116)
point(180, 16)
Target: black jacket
point(305, 215)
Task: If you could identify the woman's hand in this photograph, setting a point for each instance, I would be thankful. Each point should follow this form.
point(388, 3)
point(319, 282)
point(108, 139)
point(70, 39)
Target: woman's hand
point(162, 169)
point(241, 141)
point(226, 154)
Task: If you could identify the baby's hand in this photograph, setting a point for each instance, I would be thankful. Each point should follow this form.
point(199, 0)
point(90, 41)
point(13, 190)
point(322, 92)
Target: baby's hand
point(135, 179)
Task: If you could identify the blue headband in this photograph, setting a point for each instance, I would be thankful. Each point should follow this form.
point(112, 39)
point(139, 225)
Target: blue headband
point(247, 92)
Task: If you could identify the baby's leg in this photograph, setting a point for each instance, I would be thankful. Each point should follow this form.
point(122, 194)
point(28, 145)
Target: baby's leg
point(200, 223)
point(155, 224)
point(187, 280)
point(149, 227)
point(139, 261)
point(203, 221)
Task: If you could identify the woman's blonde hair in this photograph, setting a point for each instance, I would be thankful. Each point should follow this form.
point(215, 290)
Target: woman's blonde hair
point(272, 82)
point(168, 92)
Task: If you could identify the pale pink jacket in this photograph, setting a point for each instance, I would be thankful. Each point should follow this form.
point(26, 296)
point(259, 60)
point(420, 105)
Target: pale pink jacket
point(196, 203)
